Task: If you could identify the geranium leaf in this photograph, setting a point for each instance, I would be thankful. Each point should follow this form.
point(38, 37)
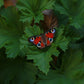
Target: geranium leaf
point(42, 57)
point(75, 13)
point(10, 31)
point(33, 9)
point(16, 71)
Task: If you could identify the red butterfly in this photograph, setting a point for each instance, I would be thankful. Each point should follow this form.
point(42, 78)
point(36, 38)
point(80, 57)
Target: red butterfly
point(43, 40)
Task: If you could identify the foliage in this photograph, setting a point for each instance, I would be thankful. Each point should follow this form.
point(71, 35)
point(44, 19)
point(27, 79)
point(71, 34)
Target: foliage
point(60, 63)
point(71, 70)
point(16, 71)
point(43, 54)
point(1, 3)
point(10, 31)
point(74, 9)
point(54, 77)
point(32, 9)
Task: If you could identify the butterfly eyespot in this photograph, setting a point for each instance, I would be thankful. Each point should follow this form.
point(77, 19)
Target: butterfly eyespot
point(53, 30)
point(50, 39)
point(32, 39)
point(39, 44)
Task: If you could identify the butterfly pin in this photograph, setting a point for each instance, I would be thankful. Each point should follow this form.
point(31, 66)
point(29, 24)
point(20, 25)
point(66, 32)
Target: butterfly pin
point(43, 40)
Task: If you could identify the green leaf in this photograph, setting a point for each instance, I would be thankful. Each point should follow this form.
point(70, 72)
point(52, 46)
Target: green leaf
point(41, 57)
point(1, 3)
point(81, 81)
point(17, 71)
point(54, 78)
point(32, 10)
point(13, 48)
point(65, 3)
point(61, 41)
point(73, 9)
point(63, 44)
point(61, 9)
point(42, 61)
point(72, 62)
point(78, 20)
point(10, 31)
point(77, 72)
point(75, 58)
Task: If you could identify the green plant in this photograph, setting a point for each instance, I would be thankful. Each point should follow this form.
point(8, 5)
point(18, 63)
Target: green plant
point(1, 3)
point(23, 63)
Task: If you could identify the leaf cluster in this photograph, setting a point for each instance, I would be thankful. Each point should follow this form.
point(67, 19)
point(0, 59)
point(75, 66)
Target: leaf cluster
point(32, 9)
point(71, 10)
point(23, 63)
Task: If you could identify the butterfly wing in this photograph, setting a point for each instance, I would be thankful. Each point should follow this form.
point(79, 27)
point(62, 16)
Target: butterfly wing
point(44, 39)
point(38, 41)
point(49, 36)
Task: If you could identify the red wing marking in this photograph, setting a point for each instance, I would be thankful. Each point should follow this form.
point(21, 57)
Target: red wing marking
point(36, 41)
point(42, 45)
point(48, 42)
point(49, 35)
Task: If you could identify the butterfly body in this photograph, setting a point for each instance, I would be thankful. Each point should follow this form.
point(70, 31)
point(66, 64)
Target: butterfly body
point(43, 40)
